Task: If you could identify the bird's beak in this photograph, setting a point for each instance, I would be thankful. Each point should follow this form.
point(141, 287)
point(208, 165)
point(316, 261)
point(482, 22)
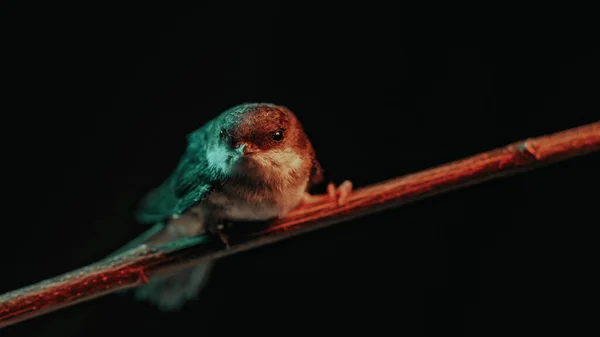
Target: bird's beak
point(245, 149)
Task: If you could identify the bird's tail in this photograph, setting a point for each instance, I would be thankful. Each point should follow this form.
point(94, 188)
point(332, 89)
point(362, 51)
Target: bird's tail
point(168, 292)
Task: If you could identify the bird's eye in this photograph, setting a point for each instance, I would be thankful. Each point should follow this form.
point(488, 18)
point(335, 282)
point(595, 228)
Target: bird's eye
point(222, 133)
point(278, 136)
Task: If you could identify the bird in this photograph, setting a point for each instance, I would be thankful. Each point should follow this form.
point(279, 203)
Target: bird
point(251, 162)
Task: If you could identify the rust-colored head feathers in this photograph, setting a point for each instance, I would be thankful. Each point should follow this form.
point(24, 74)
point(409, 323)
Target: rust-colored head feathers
point(262, 127)
point(267, 142)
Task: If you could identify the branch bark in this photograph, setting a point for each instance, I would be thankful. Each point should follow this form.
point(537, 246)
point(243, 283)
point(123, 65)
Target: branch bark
point(135, 267)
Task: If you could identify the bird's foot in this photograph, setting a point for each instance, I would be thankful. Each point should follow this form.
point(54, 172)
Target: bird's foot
point(339, 194)
point(219, 231)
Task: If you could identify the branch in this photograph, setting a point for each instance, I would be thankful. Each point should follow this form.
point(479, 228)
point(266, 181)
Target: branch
point(135, 267)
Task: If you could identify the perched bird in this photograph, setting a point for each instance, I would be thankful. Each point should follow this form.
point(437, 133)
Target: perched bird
point(251, 162)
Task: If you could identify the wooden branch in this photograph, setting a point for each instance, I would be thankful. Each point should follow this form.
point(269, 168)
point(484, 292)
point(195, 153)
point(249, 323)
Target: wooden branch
point(135, 267)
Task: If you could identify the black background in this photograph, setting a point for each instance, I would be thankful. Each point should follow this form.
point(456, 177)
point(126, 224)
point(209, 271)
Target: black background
point(98, 102)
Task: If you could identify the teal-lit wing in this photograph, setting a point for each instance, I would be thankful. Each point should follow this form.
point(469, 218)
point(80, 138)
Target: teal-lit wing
point(186, 186)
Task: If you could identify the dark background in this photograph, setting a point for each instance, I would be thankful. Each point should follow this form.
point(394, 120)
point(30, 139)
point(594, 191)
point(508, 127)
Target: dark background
point(98, 101)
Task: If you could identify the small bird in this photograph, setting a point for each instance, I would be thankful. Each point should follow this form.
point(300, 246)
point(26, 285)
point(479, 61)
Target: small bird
point(252, 162)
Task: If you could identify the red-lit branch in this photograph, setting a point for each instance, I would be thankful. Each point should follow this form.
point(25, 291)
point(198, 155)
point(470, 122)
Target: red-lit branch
point(136, 266)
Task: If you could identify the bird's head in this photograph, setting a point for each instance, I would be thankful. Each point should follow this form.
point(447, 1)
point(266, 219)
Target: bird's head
point(263, 142)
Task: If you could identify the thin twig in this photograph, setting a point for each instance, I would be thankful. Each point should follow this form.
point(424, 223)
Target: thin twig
point(137, 266)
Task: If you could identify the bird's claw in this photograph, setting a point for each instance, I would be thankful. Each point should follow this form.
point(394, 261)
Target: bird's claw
point(219, 231)
point(339, 194)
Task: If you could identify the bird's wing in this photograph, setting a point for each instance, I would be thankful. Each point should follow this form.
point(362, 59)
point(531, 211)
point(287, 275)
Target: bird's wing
point(316, 173)
point(186, 186)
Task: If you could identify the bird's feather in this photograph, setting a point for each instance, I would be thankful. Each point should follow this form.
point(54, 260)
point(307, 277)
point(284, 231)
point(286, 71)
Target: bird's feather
point(190, 182)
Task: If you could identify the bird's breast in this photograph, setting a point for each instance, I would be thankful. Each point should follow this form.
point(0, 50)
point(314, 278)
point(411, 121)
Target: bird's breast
point(237, 202)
